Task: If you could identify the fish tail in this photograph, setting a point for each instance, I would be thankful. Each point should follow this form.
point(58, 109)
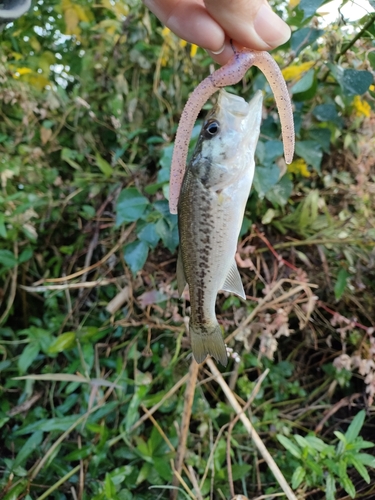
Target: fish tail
point(208, 342)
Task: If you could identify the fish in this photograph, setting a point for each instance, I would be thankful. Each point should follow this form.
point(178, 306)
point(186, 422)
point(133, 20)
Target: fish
point(212, 202)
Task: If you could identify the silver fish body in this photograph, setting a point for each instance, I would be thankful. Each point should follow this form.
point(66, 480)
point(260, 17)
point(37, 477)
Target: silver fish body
point(211, 206)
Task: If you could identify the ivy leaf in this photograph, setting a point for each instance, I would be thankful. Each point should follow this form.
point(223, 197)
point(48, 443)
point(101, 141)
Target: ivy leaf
point(168, 233)
point(321, 135)
point(311, 152)
point(130, 206)
point(305, 83)
point(303, 38)
point(265, 178)
point(149, 234)
point(309, 7)
point(327, 113)
point(135, 255)
point(279, 193)
point(272, 150)
point(355, 82)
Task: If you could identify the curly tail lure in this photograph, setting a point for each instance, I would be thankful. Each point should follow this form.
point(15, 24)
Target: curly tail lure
point(229, 74)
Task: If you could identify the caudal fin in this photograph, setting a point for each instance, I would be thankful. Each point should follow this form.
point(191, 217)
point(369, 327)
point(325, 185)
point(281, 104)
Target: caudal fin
point(210, 342)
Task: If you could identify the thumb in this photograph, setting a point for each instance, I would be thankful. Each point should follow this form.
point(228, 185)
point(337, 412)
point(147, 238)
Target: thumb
point(250, 23)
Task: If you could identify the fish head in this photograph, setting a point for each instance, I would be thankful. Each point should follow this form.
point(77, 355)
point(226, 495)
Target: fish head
point(228, 139)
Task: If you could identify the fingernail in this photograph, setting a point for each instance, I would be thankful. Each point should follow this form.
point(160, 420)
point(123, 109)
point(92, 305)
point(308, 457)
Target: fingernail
point(219, 51)
point(270, 27)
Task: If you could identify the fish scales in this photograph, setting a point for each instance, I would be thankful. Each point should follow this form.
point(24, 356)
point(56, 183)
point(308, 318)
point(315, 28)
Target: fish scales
point(212, 201)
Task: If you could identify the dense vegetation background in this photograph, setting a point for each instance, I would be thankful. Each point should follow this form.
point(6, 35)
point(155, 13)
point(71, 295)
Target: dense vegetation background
point(90, 96)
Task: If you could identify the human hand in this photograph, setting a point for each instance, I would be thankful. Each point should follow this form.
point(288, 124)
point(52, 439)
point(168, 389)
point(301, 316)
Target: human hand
point(212, 23)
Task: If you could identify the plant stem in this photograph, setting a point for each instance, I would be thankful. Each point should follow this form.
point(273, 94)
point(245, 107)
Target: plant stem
point(357, 37)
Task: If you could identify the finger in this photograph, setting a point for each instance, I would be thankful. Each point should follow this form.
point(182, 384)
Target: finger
point(189, 20)
point(251, 23)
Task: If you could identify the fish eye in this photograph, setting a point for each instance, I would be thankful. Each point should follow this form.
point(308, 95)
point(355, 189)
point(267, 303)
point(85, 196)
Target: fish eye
point(211, 129)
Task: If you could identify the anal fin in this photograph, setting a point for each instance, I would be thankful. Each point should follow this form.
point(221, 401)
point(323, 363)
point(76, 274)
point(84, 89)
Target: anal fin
point(233, 282)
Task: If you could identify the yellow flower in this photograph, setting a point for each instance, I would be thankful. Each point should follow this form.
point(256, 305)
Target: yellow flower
point(293, 3)
point(166, 32)
point(193, 50)
point(361, 107)
point(183, 43)
point(297, 70)
point(299, 167)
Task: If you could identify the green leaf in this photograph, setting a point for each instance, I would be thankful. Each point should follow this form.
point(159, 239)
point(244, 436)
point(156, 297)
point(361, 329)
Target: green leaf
point(327, 113)
point(298, 476)
point(3, 231)
point(135, 255)
point(168, 234)
point(316, 443)
point(340, 285)
point(63, 342)
point(28, 448)
point(360, 468)
point(15, 492)
point(48, 425)
point(348, 486)
point(288, 445)
point(104, 166)
point(371, 57)
point(305, 83)
point(280, 193)
point(355, 82)
point(304, 37)
point(7, 259)
point(130, 206)
point(309, 7)
point(366, 459)
point(25, 255)
point(330, 487)
point(69, 156)
point(119, 474)
point(321, 135)
point(29, 354)
point(149, 234)
point(311, 152)
point(301, 441)
point(315, 467)
point(354, 428)
point(79, 454)
point(163, 468)
point(272, 151)
point(109, 488)
point(265, 178)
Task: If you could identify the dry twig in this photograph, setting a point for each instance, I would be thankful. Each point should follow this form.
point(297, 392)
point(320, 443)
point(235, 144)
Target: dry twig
point(254, 435)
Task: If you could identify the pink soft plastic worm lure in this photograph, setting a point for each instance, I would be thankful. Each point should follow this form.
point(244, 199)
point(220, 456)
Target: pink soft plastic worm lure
point(229, 74)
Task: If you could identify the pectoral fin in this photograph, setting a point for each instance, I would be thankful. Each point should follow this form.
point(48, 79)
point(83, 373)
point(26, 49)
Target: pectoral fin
point(181, 280)
point(233, 282)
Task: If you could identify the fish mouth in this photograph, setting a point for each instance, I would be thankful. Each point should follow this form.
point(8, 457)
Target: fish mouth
point(237, 105)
